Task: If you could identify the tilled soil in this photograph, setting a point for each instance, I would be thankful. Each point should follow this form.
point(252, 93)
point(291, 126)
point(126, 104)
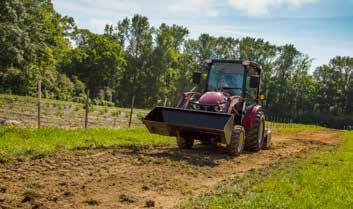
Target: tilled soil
point(138, 178)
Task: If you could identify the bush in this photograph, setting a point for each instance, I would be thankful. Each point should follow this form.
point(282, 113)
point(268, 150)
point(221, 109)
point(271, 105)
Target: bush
point(140, 115)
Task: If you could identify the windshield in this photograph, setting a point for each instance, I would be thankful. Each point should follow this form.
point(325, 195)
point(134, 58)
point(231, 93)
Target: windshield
point(228, 77)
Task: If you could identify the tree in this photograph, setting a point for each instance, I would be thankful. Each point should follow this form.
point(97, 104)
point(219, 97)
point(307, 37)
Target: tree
point(136, 37)
point(97, 61)
point(334, 86)
point(32, 41)
point(166, 69)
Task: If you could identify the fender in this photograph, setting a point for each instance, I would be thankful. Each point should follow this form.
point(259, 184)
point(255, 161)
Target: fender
point(185, 99)
point(250, 116)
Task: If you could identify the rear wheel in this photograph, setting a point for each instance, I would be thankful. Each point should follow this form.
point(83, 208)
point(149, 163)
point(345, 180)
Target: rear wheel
point(255, 136)
point(236, 144)
point(184, 143)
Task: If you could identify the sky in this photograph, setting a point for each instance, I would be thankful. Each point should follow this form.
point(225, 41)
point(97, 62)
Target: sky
point(320, 28)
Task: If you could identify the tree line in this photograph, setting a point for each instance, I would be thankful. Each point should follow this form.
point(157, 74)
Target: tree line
point(155, 64)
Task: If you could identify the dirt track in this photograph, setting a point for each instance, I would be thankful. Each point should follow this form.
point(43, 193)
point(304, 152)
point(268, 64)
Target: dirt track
point(125, 178)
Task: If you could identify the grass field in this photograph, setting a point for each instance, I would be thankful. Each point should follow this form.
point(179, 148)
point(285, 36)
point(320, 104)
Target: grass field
point(36, 143)
point(293, 127)
point(322, 180)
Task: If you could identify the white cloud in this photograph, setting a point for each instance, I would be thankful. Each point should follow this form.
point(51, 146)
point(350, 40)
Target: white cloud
point(95, 14)
point(194, 7)
point(263, 7)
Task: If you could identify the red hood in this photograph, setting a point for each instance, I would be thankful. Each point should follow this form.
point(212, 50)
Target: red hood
point(212, 98)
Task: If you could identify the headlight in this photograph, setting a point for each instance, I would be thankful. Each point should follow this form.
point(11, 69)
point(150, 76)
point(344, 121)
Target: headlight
point(219, 108)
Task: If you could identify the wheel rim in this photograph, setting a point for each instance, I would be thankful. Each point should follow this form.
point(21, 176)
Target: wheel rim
point(261, 132)
point(241, 142)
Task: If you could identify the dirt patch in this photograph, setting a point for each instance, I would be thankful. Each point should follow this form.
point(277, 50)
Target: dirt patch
point(148, 178)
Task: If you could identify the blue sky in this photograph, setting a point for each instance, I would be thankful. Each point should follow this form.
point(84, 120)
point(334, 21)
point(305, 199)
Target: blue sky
point(320, 28)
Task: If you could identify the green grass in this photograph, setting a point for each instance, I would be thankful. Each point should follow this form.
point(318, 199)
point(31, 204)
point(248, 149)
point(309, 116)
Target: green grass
point(293, 127)
point(322, 180)
point(36, 143)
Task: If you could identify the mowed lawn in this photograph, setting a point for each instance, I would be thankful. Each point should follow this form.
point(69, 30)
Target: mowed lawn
point(36, 143)
point(322, 180)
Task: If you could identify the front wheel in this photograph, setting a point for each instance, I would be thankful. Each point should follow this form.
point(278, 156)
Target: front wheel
point(255, 135)
point(237, 141)
point(185, 143)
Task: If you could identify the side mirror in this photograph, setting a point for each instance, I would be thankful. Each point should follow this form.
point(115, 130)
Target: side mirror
point(254, 82)
point(196, 78)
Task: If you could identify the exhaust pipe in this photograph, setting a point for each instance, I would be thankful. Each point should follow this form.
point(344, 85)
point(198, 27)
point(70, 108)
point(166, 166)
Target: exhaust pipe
point(198, 124)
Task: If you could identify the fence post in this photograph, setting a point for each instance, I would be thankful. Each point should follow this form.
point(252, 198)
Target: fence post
point(165, 102)
point(86, 108)
point(39, 94)
point(132, 110)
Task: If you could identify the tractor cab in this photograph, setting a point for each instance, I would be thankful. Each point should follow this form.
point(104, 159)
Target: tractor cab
point(226, 77)
point(227, 80)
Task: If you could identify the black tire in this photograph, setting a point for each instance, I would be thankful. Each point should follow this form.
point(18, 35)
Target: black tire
point(184, 143)
point(237, 141)
point(255, 136)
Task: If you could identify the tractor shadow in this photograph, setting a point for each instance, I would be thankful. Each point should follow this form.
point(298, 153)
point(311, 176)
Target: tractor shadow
point(200, 155)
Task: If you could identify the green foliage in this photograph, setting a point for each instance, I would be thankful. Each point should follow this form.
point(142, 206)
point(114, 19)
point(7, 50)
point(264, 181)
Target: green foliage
point(310, 182)
point(78, 108)
point(59, 113)
point(140, 115)
point(116, 113)
point(154, 64)
point(103, 111)
point(16, 142)
point(33, 42)
point(335, 86)
point(98, 62)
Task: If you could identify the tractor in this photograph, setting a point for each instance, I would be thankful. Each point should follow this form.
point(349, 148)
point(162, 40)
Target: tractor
point(228, 111)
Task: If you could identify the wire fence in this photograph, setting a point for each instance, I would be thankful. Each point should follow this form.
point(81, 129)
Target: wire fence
point(30, 112)
point(37, 112)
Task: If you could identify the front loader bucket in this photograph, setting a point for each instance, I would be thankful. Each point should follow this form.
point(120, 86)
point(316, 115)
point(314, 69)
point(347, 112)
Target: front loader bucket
point(191, 123)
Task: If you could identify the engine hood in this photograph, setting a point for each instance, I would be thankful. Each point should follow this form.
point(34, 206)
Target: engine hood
point(212, 98)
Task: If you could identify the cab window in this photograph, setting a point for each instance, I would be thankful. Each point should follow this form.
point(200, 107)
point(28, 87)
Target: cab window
point(227, 77)
point(250, 92)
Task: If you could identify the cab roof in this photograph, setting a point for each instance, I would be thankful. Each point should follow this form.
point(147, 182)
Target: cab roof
point(242, 62)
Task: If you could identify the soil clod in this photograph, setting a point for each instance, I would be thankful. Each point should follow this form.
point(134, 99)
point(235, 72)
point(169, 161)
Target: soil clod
point(126, 199)
point(150, 204)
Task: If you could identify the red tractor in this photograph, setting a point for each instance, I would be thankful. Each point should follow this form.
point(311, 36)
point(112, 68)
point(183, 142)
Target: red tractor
point(229, 110)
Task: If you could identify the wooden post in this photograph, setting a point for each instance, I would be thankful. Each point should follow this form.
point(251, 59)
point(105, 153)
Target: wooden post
point(39, 94)
point(132, 110)
point(165, 102)
point(86, 108)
